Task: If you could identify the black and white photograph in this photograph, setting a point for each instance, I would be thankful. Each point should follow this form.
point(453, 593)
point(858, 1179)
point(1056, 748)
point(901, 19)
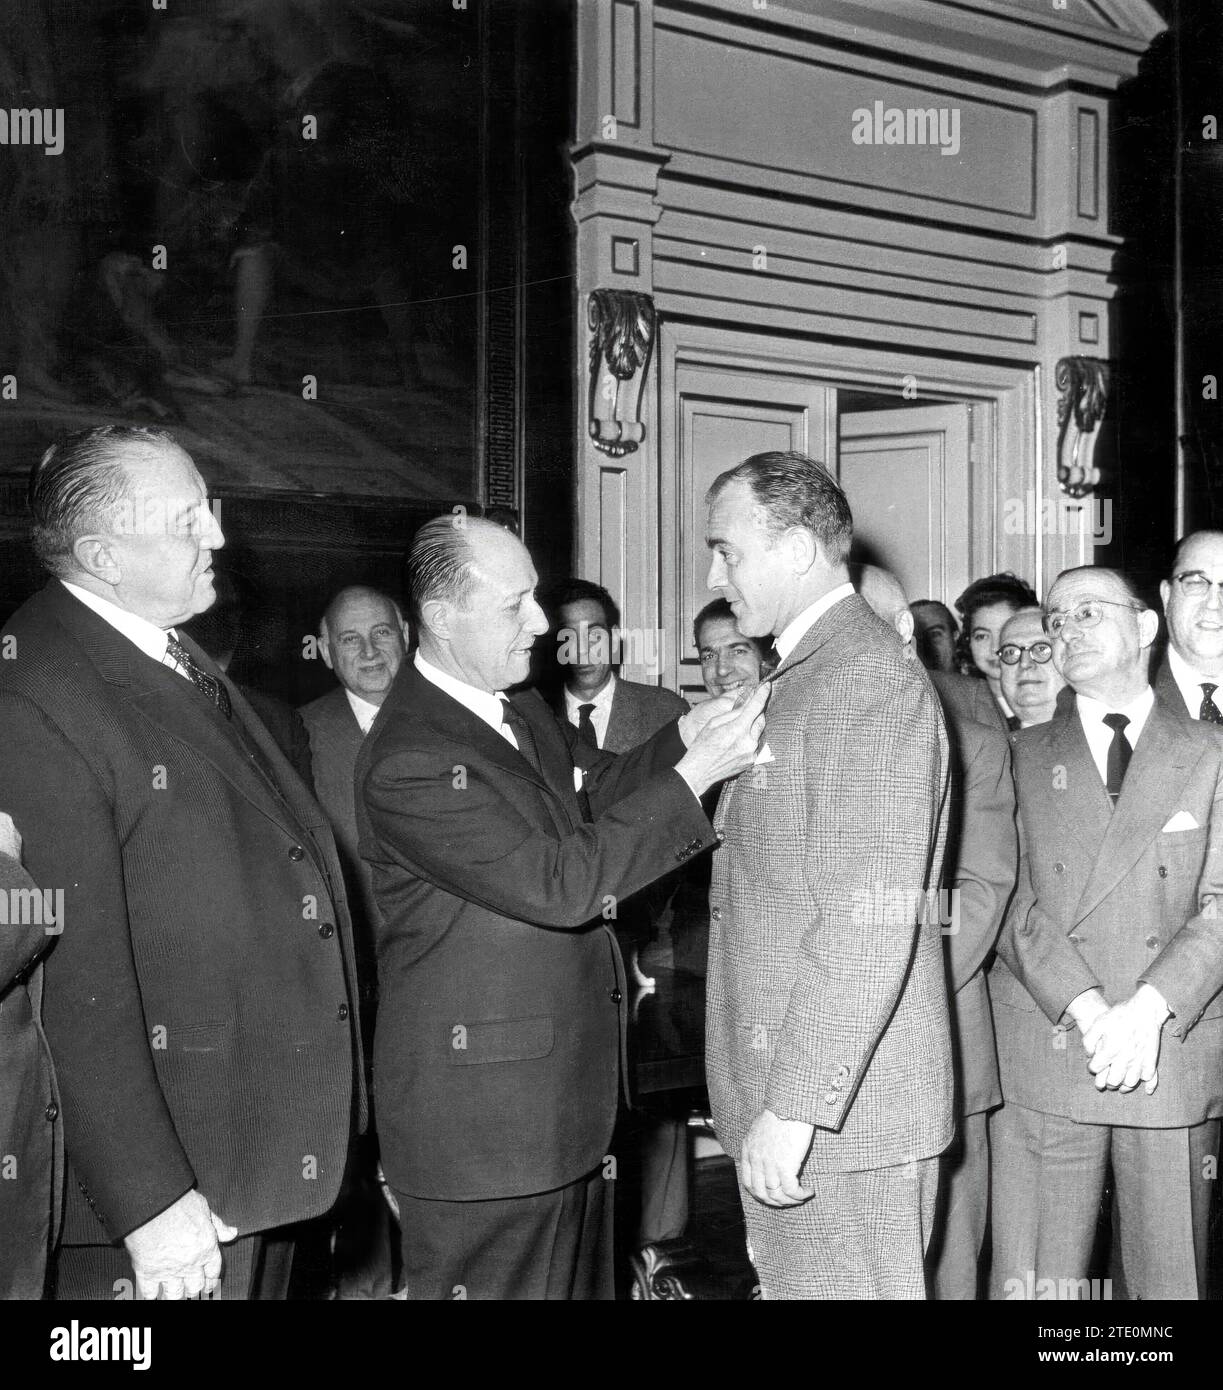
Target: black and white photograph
point(611, 666)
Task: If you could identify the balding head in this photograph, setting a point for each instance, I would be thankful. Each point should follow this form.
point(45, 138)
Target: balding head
point(886, 596)
point(472, 587)
point(364, 640)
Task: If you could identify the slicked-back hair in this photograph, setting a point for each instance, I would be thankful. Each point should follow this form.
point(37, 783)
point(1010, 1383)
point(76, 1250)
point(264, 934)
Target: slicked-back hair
point(440, 565)
point(720, 608)
point(563, 591)
point(1126, 583)
point(77, 485)
point(794, 490)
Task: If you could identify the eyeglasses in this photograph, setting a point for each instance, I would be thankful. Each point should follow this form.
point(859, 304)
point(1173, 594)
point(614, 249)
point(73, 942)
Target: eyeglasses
point(1089, 614)
point(1194, 584)
point(1012, 653)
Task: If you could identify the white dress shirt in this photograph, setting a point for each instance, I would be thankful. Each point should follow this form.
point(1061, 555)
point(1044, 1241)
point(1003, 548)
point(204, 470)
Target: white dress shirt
point(1189, 683)
point(363, 711)
point(600, 715)
point(794, 631)
point(151, 639)
point(1100, 736)
point(480, 702)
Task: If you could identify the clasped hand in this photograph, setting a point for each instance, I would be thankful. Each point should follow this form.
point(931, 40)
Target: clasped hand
point(1122, 1041)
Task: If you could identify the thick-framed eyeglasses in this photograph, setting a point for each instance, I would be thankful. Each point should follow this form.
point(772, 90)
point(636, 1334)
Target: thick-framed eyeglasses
point(1011, 653)
point(1088, 614)
point(1194, 584)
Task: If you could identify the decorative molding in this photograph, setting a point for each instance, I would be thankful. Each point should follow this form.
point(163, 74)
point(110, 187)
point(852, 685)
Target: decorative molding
point(1082, 385)
point(622, 325)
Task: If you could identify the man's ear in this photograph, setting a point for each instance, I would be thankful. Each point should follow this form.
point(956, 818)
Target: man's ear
point(1148, 626)
point(435, 615)
point(904, 625)
point(1164, 590)
point(803, 549)
point(324, 645)
point(96, 556)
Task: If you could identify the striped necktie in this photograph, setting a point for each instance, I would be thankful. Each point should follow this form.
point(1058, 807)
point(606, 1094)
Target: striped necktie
point(208, 685)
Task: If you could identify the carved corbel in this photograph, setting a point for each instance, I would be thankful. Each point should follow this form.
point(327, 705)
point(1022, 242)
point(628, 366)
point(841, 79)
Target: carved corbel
point(1082, 384)
point(622, 324)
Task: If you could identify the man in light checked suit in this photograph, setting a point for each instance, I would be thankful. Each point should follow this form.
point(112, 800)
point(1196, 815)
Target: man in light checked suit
point(828, 1045)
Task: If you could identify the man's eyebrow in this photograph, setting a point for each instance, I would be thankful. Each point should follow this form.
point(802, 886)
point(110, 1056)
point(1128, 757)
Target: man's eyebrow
point(711, 541)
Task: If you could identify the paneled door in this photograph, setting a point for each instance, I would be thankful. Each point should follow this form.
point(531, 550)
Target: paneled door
point(906, 474)
point(722, 416)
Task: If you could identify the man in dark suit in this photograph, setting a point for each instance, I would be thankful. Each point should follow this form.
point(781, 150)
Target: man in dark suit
point(31, 1134)
point(499, 844)
point(979, 872)
point(607, 712)
point(363, 640)
point(199, 1000)
point(1191, 671)
point(828, 1042)
point(1114, 931)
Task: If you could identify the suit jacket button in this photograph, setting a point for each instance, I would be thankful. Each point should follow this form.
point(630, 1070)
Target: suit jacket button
point(1075, 938)
point(52, 1111)
point(831, 1098)
point(326, 930)
point(716, 914)
point(615, 996)
point(342, 1012)
point(1163, 872)
point(721, 835)
point(1152, 943)
point(297, 853)
point(1059, 868)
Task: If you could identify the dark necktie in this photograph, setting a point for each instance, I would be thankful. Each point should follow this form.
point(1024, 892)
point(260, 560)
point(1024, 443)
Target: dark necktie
point(523, 736)
point(1119, 752)
point(1210, 712)
point(202, 681)
point(586, 727)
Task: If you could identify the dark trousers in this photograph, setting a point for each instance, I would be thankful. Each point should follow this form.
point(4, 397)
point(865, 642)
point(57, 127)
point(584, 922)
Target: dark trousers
point(1048, 1176)
point(256, 1267)
point(550, 1245)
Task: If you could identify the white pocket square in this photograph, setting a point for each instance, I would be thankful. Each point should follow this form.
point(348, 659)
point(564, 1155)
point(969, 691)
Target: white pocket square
point(578, 778)
point(765, 755)
point(1181, 821)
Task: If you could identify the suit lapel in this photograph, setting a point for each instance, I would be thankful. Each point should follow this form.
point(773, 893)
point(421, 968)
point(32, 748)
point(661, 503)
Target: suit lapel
point(1160, 767)
point(1082, 805)
point(1166, 689)
point(162, 696)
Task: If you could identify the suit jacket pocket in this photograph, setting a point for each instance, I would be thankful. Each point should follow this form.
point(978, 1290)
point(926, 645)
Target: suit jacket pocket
point(500, 1040)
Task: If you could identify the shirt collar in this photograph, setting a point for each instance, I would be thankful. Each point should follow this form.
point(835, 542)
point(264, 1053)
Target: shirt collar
point(363, 711)
point(600, 701)
point(150, 638)
point(479, 702)
point(792, 634)
point(1092, 712)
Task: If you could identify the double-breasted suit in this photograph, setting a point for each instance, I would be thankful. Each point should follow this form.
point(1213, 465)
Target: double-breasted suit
point(198, 1001)
point(1109, 898)
point(497, 1059)
point(827, 998)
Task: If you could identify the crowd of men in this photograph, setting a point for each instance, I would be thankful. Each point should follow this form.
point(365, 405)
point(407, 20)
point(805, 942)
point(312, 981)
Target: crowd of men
point(366, 990)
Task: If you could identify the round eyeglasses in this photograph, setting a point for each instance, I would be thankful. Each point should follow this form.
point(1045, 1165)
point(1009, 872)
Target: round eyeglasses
point(1088, 614)
point(1011, 653)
